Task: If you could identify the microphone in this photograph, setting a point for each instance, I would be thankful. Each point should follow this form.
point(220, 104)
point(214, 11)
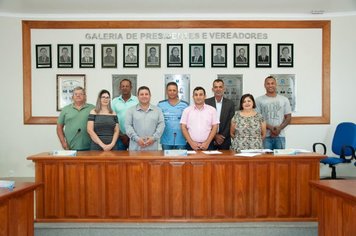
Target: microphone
point(71, 141)
point(174, 139)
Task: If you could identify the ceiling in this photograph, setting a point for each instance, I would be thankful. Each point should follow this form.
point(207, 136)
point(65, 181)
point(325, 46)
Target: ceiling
point(177, 8)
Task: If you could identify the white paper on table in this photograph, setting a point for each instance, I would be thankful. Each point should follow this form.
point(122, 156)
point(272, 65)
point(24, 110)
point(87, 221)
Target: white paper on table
point(256, 151)
point(212, 152)
point(191, 152)
point(247, 154)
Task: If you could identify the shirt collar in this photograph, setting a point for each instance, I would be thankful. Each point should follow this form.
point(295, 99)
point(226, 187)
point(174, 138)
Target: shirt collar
point(138, 107)
point(196, 108)
point(130, 99)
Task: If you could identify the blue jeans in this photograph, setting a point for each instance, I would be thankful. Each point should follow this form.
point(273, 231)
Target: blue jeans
point(120, 145)
point(173, 147)
point(274, 143)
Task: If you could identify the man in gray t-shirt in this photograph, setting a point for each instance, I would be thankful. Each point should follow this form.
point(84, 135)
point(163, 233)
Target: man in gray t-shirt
point(276, 111)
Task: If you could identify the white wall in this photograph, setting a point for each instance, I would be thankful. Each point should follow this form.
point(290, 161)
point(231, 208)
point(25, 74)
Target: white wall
point(19, 141)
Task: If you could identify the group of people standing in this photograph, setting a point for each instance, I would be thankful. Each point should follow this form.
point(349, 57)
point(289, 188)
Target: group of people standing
point(131, 122)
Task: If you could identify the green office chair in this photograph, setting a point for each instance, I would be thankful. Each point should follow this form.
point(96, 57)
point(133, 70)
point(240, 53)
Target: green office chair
point(343, 145)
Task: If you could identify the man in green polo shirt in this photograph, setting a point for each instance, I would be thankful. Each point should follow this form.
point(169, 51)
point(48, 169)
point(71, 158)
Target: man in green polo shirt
point(72, 122)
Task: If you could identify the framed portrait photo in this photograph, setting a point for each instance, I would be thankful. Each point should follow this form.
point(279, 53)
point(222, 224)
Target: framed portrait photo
point(196, 55)
point(285, 55)
point(241, 55)
point(152, 55)
point(43, 56)
point(174, 55)
point(87, 55)
point(65, 85)
point(65, 55)
point(263, 55)
point(109, 55)
point(131, 55)
point(219, 55)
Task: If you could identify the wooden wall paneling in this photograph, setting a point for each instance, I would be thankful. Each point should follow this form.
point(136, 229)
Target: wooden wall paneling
point(51, 190)
point(178, 188)
point(261, 188)
point(93, 190)
point(115, 190)
point(221, 198)
point(156, 189)
point(135, 185)
point(241, 189)
point(282, 189)
point(199, 203)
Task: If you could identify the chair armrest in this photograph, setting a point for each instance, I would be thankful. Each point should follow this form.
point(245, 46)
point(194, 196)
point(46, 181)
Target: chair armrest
point(344, 149)
point(323, 145)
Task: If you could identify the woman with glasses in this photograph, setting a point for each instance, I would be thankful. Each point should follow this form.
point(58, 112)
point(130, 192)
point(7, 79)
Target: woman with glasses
point(103, 126)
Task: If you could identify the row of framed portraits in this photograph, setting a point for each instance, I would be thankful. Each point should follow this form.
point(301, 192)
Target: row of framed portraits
point(153, 55)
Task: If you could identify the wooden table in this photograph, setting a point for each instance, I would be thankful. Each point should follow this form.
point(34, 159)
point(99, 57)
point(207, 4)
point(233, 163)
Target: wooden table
point(147, 186)
point(336, 207)
point(17, 210)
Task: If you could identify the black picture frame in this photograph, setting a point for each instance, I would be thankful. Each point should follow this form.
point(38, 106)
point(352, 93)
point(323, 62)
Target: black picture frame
point(197, 55)
point(285, 55)
point(87, 55)
point(174, 55)
point(131, 56)
point(241, 55)
point(43, 56)
point(263, 55)
point(218, 55)
point(109, 56)
point(152, 55)
point(65, 56)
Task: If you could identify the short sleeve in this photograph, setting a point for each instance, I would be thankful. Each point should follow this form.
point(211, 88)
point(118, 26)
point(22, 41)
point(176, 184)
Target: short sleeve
point(91, 117)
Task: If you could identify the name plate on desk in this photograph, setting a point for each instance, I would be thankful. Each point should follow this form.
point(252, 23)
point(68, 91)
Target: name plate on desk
point(176, 152)
point(70, 153)
point(284, 152)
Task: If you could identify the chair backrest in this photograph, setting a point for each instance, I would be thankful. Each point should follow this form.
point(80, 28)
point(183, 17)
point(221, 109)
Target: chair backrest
point(345, 134)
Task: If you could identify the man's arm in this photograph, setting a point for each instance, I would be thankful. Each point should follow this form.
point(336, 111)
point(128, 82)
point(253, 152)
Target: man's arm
point(205, 145)
point(277, 129)
point(186, 135)
point(60, 134)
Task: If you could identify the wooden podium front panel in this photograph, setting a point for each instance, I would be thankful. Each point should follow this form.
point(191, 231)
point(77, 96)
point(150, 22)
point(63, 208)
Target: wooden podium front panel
point(116, 190)
point(135, 190)
point(72, 195)
point(241, 192)
point(176, 194)
point(282, 192)
point(199, 184)
point(124, 186)
point(260, 189)
point(156, 199)
point(221, 184)
point(303, 200)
